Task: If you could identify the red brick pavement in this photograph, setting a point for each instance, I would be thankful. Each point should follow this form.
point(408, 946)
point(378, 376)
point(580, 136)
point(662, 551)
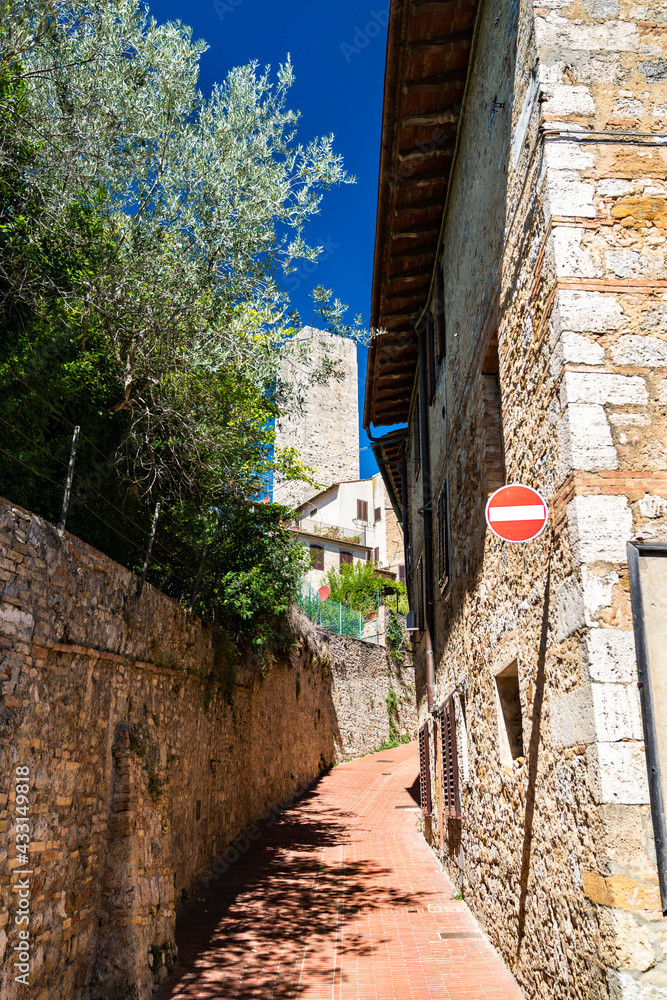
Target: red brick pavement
point(340, 899)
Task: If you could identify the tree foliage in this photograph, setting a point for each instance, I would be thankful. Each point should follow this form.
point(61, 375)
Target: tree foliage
point(359, 588)
point(144, 234)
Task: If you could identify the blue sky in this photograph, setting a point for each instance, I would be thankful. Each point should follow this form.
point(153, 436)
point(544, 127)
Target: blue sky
point(338, 51)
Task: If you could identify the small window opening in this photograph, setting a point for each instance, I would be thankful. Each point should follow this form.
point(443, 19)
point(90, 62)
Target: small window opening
point(511, 723)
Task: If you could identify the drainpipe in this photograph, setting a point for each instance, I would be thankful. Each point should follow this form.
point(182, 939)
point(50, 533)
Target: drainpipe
point(403, 470)
point(427, 512)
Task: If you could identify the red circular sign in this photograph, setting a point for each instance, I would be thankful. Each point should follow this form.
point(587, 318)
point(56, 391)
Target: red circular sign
point(323, 593)
point(516, 513)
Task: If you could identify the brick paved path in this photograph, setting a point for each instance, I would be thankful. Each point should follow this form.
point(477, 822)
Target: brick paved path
point(340, 899)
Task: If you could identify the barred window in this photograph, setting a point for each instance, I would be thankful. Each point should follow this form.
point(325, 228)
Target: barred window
point(424, 771)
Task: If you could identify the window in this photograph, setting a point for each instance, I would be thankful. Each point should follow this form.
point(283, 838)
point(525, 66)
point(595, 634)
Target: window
point(317, 556)
point(424, 771)
point(443, 536)
point(416, 450)
point(376, 556)
point(419, 596)
point(362, 510)
point(369, 555)
point(439, 313)
point(378, 514)
point(510, 721)
point(401, 573)
point(451, 798)
point(345, 559)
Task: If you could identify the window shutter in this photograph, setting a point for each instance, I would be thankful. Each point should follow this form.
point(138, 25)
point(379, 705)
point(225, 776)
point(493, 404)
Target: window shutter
point(345, 559)
point(378, 514)
point(362, 510)
point(317, 555)
point(376, 556)
point(443, 535)
point(424, 771)
point(419, 582)
point(401, 573)
point(369, 556)
point(430, 359)
point(416, 444)
point(450, 761)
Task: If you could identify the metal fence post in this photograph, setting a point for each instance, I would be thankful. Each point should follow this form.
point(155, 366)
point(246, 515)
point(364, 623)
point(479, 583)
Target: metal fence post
point(148, 551)
point(68, 481)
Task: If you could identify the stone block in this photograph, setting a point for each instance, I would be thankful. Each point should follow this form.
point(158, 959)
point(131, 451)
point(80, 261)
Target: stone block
point(568, 100)
point(625, 943)
point(603, 387)
point(584, 440)
point(652, 506)
point(567, 195)
point(622, 986)
point(632, 349)
point(596, 712)
point(609, 656)
point(597, 589)
point(570, 607)
point(599, 528)
point(617, 773)
point(567, 155)
point(559, 33)
point(571, 260)
point(620, 891)
point(14, 622)
point(587, 312)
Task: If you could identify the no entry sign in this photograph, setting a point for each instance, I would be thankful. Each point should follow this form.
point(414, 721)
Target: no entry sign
point(516, 513)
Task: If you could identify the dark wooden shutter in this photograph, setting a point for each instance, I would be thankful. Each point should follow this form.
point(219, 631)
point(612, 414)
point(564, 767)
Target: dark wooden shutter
point(362, 510)
point(376, 556)
point(401, 573)
point(424, 772)
point(430, 359)
point(443, 535)
point(450, 761)
point(345, 559)
point(317, 555)
point(369, 556)
point(439, 309)
point(378, 514)
point(416, 444)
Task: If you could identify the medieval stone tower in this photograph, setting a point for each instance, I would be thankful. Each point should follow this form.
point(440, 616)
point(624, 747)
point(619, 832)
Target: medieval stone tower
point(326, 432)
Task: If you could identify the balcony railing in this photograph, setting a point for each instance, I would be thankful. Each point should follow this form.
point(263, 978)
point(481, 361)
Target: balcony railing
point(333, 531)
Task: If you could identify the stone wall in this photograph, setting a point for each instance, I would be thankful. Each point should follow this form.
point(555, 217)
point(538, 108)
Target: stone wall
point(149, 747)
point(326, 431)
point(554, 250)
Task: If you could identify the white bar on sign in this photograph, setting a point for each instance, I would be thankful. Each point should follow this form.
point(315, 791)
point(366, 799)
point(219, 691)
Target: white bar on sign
point(526, 512)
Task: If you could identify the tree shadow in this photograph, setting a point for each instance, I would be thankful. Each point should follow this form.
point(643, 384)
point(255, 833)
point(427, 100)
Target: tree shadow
point(280, 915)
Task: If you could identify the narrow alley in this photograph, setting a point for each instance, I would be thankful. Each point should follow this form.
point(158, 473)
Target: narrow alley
point(340, 898)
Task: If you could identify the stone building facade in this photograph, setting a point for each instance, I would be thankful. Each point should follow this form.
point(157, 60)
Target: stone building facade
point(325, 431)
point(139, 754)
point(521, 280)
